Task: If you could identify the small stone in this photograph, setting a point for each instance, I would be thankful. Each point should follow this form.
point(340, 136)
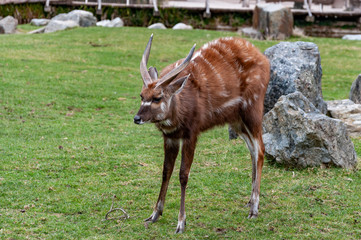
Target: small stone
point(352, 37)
point(251, 33)
point(182, 26)
point(39, 21)
point(157, 26)
point(116, 22)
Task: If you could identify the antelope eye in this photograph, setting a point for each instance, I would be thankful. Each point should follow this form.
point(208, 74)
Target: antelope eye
point(156, 100)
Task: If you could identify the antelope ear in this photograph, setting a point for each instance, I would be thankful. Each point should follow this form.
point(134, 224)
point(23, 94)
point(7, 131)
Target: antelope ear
point(178, 85)
point(153, 73)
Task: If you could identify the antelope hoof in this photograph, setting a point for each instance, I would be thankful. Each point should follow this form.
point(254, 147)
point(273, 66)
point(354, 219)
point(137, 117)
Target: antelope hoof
point(253, 215)
point(181, 227)
point(154, 217)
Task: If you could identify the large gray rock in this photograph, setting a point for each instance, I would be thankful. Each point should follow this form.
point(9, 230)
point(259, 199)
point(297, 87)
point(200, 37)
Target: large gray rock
point(275, 21)
point(295, 67)
point(157, 26)
point(39, 21)
point(55, 25)
point(348, 112)
point(352, 37)
point(116, 22)
point(355, 93)
point(8, 25)
point(81, 17)
point(296, 134)
point(182, 26)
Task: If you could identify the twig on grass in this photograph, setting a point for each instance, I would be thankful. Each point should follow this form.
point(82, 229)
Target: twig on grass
point(123, 217)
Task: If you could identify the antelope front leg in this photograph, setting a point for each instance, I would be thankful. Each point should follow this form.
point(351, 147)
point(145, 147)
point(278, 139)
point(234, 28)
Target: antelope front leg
point(187, 159)
point(171, 149)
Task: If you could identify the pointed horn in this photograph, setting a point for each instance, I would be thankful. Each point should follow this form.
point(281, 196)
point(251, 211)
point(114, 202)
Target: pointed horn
point(143, 64)
point(166, 79)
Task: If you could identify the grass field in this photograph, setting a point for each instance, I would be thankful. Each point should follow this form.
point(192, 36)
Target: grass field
point(68, 145)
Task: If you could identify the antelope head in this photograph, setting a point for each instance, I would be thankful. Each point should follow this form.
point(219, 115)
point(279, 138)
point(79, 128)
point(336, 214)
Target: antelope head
point(157, 94)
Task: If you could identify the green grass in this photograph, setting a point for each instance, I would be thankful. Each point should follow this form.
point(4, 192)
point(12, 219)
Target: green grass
point(68, 144)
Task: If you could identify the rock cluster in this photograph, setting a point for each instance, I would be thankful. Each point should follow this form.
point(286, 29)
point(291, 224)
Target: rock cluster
point(75, 18)
point(297, 134)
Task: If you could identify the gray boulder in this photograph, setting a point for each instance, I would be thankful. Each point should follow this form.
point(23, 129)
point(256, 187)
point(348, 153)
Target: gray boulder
point(348, 112)
point(295, 67)
point(116, 22)
point(8, 25)
point(55, 25)
point(355, 93)
point(182, 26)
point(296, 134)
point(352, 37)
point(275, 21)
point(157, 26)
point(39, 21)
point(81, 17)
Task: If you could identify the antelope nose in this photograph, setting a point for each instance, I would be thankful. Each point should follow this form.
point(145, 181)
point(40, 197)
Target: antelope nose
point(137, 119)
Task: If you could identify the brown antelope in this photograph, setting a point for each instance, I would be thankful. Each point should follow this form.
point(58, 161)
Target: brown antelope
point(224, 82)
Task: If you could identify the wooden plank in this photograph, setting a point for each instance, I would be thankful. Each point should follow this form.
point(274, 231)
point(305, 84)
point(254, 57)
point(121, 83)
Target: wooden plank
point(4, 2)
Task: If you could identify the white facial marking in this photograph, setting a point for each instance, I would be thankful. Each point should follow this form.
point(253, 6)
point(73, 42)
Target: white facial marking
point(255, 97)
point(163, 106)
point(142, 122)
point(146, 103)
point(258, 77)
point(249, 102)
